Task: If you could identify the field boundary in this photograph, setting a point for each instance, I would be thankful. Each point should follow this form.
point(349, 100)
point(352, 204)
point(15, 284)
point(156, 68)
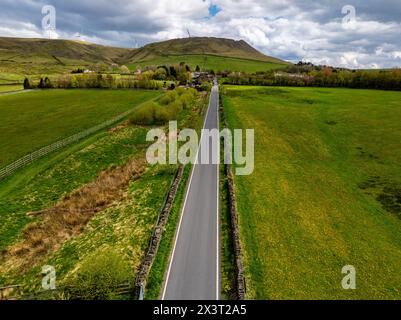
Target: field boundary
point(213, 55)
point(240, 283)
point(158, 230)
point(29, 158)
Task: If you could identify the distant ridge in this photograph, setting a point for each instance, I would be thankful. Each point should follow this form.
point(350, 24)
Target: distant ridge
point(201, 45)
point(67, 49)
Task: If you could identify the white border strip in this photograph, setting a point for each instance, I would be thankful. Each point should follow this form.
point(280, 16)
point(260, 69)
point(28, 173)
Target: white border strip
point(217, 213)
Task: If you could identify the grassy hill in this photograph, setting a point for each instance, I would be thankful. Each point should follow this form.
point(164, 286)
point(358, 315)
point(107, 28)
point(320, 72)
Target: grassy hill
point(208, 53)
point(19, 57)
point(33, 56)
point(205, 46)
point(208, 62)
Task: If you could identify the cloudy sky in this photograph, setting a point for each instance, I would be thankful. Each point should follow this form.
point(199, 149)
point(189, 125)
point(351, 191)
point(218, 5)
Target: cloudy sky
point(323, 32)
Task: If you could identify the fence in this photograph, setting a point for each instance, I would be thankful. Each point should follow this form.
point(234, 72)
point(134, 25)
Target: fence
point(156, 238)
point(240, 281)
point(69, 293)
point(28, 159)
point(9, 291)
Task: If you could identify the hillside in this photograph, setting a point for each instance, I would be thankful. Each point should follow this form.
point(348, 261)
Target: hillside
point(205, 46)
point(31, 56)
point(19, 57)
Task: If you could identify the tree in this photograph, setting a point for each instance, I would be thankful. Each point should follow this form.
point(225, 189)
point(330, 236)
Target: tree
point(41, 84)
point(160, 74)
point(110, 81)
point(47, 83)
point(124, 69)
point(173, 72)
point(27, 85)
point(197, 68)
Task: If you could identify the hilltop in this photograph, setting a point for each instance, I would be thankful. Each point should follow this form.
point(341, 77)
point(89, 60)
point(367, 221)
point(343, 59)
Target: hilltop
point(201, 46)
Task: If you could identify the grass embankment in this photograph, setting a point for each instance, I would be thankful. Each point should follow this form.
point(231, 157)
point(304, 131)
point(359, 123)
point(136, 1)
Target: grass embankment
point(325, 192)
point(11, 88)
point(66, 180)
point(209, 62)
point(37, 119)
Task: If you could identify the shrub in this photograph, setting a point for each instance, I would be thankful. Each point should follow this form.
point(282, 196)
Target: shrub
point(160, 74)
point(206, 86)
point(124, 69)
point(145, 114)
point(168, 98)
point(162, 115)
point(180, 91)
point(99, 276)
point(169, 108)
point(187, 98)
point(175, 108)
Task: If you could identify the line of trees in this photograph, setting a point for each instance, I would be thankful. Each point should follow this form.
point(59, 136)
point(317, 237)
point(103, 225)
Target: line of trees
point(92, 80)
point(177, 72)
point(311, 76)
point(167, 108)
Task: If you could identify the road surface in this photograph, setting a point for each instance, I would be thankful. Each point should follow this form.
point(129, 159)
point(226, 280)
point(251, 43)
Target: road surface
point(193, 271)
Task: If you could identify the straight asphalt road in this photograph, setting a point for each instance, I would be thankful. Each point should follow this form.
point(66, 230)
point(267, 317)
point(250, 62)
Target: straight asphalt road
point(193, 272)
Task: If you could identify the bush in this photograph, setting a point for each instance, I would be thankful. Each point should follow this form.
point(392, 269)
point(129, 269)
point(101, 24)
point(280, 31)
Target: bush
point(160, 74)
point(168, 98)
point(124, 69)
point(206, 86)
point(99, 276)
point(188, 98)
point(180, 91)
point(175, 108)
point(162, 115)
point(169, 108)
point(145, 114)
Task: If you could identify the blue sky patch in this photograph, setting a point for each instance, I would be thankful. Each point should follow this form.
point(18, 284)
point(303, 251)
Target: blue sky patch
point(213, 10)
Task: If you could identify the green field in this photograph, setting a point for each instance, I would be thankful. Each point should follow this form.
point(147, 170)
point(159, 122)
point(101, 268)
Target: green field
point(325, 193)
point(124, 227)
point(32, 120)
point(209, 62)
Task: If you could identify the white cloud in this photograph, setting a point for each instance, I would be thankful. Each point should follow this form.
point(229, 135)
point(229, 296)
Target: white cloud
point(292, 30)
